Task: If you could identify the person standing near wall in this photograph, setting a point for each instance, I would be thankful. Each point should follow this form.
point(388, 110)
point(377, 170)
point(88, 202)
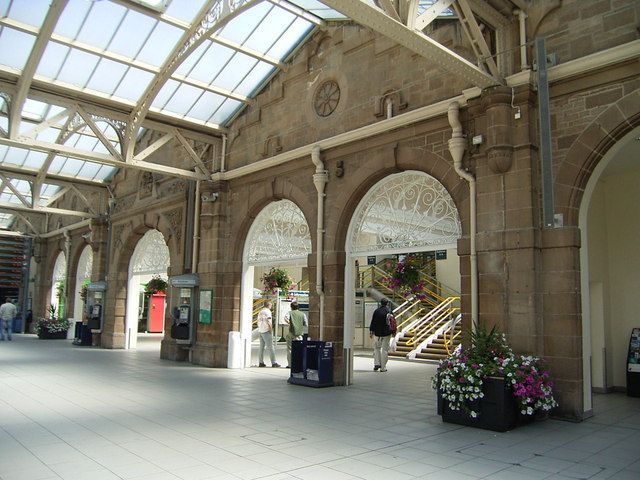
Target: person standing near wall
point(7, 313)
point(296, 320)
point(265, 327)
point(380, 328)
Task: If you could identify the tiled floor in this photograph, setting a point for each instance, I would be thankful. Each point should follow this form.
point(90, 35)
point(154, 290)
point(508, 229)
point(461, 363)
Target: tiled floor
point(83, 413)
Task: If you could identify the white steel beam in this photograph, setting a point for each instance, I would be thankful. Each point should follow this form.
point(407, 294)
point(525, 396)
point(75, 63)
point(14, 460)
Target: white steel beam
point(415, 41)
point(30, 175)
point(14, 190)
point(48, 123)
point(103, 139)
point(194, 156)
point(478, 43)
point(158, 144)
point(83, 198)
point(14, 207)
point(431, 13)
point(390, 9)
point(55, 9)
point(99, 157)
point(27, 222)
point(489, 14)
point(213, 16)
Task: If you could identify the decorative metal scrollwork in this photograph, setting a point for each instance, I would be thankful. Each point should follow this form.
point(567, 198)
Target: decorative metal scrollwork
point(151, 254)
point(404, 211)
point(279, 232)
point(326, 98)
point(85, 264)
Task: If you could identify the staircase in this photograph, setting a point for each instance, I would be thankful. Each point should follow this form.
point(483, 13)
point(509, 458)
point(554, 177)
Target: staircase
point(428, 329)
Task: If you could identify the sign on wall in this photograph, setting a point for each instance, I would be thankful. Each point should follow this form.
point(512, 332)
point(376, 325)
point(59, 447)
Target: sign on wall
point(206, 306)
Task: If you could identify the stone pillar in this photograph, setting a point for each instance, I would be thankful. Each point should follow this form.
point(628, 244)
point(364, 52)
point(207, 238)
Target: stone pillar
point(333, 273)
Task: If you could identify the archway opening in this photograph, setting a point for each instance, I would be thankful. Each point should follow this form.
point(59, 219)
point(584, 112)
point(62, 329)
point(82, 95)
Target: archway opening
point(609, 265)
point(57, 307)
point(146, 307)
point(83, 278)
point(278, 239)
point(407, 221)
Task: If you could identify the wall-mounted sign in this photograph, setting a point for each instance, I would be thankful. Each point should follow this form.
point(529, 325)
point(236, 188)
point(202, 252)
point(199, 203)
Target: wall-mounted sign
point(441, 254)
point(371, 260)
point(206, 306)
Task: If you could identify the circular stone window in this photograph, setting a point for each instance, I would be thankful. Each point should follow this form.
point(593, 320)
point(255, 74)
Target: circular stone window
point(326, 99)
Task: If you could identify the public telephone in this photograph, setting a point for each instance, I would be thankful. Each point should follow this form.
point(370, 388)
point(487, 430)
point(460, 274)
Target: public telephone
point(182, 297)
point(95, 315)
point(184, 315)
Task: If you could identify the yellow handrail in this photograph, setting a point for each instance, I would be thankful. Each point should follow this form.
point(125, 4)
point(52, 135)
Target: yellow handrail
point(449, 341)
point(431, 326)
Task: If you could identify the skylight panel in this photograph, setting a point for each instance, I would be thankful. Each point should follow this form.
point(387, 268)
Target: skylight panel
point(133, 84)
point(185, 10)
point(165, 93)
point(71, 166)
point(31, 12)
point(52, 60)
point(188, 63)
point(319, 9)
point(15, 47)
point(35, 159)
point(132, 34)
point(206, 106)
point(5, 220)
point(34, 110)
point(77, 68)
point(49, 135)
point(83, 142)
point(225, 111)
point(16, 156)
point(3, 152)
point(160, 44)
point(48, 190)
point(107, 76)
point(6, 195)
point(183, 99)
point(105, 173)
point(287, 42)
point(211, 63)
point(72, 18)
point(235, 71)
point(101, 23)
point(22, 186)
point(268, 32)
point(255, 79)
point(4, 123)
point(240, 27)
point(89, 170)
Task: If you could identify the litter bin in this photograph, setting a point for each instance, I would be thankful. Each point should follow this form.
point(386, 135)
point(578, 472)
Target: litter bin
point(311, 363)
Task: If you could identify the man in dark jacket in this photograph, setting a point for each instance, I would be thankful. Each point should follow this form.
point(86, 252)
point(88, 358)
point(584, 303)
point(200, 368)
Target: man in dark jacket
point(380, 329)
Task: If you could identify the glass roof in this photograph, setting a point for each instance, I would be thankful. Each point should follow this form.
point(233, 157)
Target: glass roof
point(115, 50)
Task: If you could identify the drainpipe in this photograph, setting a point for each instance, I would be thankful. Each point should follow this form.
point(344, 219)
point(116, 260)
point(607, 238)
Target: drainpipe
point(223, 154)
point(522, 17)
point(320, 179)
point(196, 230)
point(457, 146)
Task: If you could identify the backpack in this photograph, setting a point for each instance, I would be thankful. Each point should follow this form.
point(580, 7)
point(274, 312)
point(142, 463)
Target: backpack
point(392, 325)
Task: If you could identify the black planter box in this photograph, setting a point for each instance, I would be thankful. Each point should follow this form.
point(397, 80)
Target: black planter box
point(498, 410)
point(45, 335)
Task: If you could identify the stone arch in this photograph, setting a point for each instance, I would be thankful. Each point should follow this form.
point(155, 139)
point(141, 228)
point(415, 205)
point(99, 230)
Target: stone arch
point(588, 149)
point(281, 190)
point(131, 233)
point(75, 253)
point(407, 157)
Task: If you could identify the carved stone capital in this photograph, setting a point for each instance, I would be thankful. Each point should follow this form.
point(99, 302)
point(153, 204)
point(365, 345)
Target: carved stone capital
point(500, 158)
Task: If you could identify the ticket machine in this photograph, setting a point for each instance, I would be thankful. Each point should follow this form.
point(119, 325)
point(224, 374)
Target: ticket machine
point(182, 298)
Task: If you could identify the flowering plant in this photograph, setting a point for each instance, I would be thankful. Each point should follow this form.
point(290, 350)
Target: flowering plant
point(155, 285)
point(459, 377)
point(406, 278)
point(52, 325)
point(276, 278)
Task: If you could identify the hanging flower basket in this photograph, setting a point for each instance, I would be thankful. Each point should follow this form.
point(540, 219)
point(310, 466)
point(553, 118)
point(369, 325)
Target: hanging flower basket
point(406, 278)
point(276, 278)
point(156, 285)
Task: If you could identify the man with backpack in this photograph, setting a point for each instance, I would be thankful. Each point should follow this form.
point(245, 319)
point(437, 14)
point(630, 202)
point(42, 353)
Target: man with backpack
point(382, 326)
